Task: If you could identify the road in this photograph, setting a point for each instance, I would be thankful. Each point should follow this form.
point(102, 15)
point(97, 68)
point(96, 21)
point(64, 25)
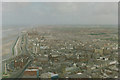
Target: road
point(20, 72)
point(22, 44)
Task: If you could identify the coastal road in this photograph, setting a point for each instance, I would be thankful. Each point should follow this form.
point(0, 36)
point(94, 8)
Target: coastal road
point(21, 43)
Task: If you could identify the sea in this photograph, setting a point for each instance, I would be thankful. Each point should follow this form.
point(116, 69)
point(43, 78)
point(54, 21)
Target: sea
point(10, 33)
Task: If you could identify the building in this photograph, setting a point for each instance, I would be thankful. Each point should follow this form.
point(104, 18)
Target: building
point(31, 71)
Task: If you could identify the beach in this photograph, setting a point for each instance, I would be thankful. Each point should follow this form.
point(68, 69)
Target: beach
point(9, 36)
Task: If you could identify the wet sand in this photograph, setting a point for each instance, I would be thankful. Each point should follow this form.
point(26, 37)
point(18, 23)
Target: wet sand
point(8, 39)
point(7, 49)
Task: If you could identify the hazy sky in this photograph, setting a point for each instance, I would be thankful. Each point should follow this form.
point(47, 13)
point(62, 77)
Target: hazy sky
point(39, 13)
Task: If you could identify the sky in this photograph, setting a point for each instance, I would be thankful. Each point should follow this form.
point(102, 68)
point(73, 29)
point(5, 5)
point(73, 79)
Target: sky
point(57, 13)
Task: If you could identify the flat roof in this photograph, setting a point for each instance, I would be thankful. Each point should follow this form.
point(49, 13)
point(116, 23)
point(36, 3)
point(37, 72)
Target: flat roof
point(31, 70)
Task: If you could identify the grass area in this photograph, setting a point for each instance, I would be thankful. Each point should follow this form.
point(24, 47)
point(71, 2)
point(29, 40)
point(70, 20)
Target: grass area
point(97, 34)
point(5, 75)
point(14, 45)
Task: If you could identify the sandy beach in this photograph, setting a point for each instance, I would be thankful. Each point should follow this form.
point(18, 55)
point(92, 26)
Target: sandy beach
point(7, 49)
point(9, 35)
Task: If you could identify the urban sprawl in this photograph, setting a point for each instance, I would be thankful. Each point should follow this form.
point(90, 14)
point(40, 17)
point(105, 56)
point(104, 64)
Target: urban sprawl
point(64, 52)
